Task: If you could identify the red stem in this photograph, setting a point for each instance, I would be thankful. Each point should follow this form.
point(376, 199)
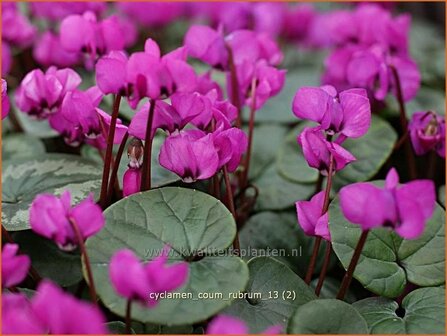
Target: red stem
point(84, 254)
point(234, 86)
point(108, 158)
point(128, 316)
point(146, 167)
point(230, 201)
point(327, 258)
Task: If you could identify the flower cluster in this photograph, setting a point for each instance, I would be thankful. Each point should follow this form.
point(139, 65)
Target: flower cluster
point(370, 45)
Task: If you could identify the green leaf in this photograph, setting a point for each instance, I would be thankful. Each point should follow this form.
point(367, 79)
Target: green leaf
point(279, 108)
point(278, 193)
point(291, 163)
point(37, 128)
point(21, 145)
point(371, 152)
point(118, 328)
point(330, 289)
point(266, 140)
point(441, 195)
point(273, 293)
point(49, 261)
point(423, 309)
point(327, 316)
point(23, 179)
point(160, 175)
point(387, 261)
point(190, 222)
point(278, 235)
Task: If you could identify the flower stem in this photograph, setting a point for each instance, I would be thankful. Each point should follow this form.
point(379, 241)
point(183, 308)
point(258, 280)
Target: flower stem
point(313, 259)
point(327, 258)
point(108, 158)
point(84, 254)
point(230, 200)
point(234, 87)
point(404, 124)
point(351, 268)
point(251, 126)
point(116, 165)
point(128, 316)
point(146, 168)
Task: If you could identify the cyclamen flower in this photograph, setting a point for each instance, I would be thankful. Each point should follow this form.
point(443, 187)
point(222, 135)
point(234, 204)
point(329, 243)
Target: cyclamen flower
point(55, 11)
point(131, 181)
point(41, 94)
point(16, 28)
point(152, 14)
point(347, 112)
point(6, 58)
point(310, 218)
point(50, 311)
point(136, 281)
point(427, 132)
point(5, 99)
point(49, 51)
point(52, 217)
point(404, 208)
point(317, 151)
point(229, 325)
point(84, 33)
point(191, 155)
point(231, 144)
point(14, 266)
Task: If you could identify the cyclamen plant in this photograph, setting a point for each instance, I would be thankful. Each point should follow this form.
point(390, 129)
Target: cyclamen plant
point(206, 100)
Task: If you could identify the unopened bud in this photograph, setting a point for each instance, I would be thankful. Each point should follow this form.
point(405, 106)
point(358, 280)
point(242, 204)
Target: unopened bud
point(135, 153)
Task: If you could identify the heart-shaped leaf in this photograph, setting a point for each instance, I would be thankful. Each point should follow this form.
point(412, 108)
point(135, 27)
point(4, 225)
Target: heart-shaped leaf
point(273, 293)
point(330, 289)
point(278, 235)
point(387, 261)
point(327, 316)
point(423, 313)
point(191, 222)
point(16, 146)
point(23, 179)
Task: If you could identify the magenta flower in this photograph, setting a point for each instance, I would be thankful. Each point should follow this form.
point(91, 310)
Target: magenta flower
point(348, 112)
point(191, 155)
point(48, 51)
point(229, 325)
point(6, 58)
point(427, 132)
point(231, 144)
point(16, 29)
point(404, 208)
point(41, 94)
point(152, 14)
point(52, 217)
point(14, 266)
point(297, 22)
point(55, 11)
point(131, 181)
point(62, 313)
point(84, 33)
point(317, 151)
point(111, 73)
point(5, 100)
point(205, 84)
point(135, 281)
point(18, 317)
point(310, 218)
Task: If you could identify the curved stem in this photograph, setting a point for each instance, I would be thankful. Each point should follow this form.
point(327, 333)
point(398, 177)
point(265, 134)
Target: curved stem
point(128, 316)
point(84, 254)
point(108, 157)
point(234, 86)
point(351, 268)
point(251, 126)
point(327, 258)
point(116, 165)
point(146, 168)
point(230, 200)
point(313, 260)
point(404, 124)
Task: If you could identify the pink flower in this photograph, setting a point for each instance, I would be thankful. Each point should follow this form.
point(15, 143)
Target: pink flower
point(48, 51)
point(228, 325)
point(427, 132)
point(16, 28)
point(348, 112)
point(152, 14)
point(297, 22)
point(404, 208)
point(14, 267)
point(62, 313)
point(131, 181)
point(52, 218)
point(317, 151)
point(5, 99)
point(111, 73)
point(135, 281)
point(18, 316)
point(55, 11)
point(310, 218)
point(84, 33)
point(191, 155)
point(41, 94)
point(231, 144)
point(6, 58)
